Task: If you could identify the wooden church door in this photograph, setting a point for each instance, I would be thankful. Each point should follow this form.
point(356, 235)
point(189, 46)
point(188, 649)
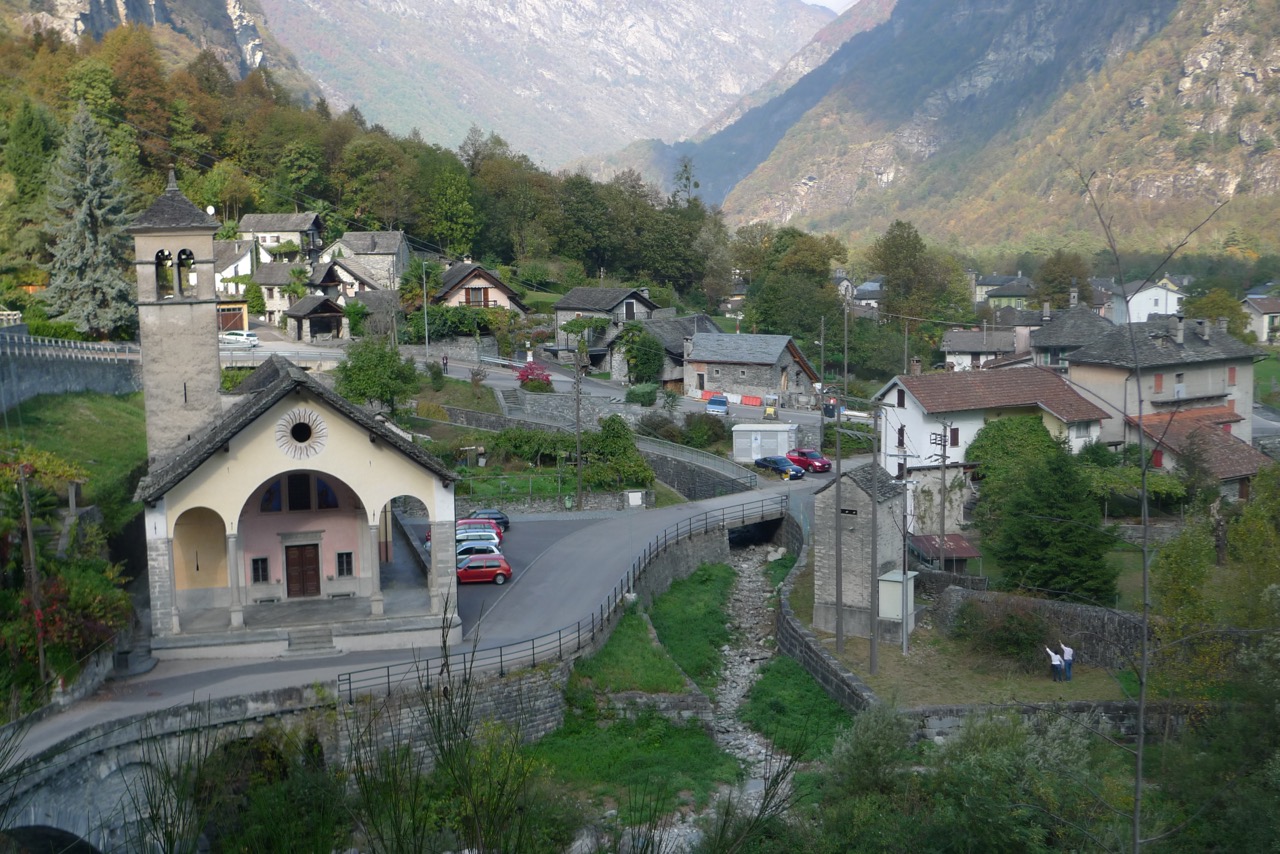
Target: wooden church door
point(302, 570)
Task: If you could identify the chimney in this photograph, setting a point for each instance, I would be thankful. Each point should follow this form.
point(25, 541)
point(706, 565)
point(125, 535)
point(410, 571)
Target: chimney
point(1044, 312)
point(915, 366)
point(1177, 329)
point(1202, 329)
point(688, 346)
point(1075, 297)
point(1019, 274)
point(644, 292)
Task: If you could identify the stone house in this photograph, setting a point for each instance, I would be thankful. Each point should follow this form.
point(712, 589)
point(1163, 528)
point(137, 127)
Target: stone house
point(749, 365)
point(970, 349)
point(384, 255)
point(273, 278)
point(671, 332)
point(342, 279)
point(472, 285)
point(1066, 332)
point(1182, 365)
point(274, 233)
point(851, 519)
point(616, 306)
point(1264, 317)
point(313, 319)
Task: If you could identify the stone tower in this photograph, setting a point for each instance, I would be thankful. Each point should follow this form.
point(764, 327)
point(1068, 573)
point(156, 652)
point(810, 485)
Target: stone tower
point(177, 321)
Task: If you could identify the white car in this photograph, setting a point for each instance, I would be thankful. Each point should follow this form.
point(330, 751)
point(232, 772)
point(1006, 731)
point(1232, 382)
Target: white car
point(238, 338)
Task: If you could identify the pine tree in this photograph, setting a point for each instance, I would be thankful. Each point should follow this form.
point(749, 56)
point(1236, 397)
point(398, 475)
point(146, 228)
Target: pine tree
point(88, 211)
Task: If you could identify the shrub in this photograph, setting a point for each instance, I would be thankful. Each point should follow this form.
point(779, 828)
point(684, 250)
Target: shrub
point(432, 411)
point(702, 430)
point(534, 377)
point(645, 394)
point(435, 374)
point(1008, 628)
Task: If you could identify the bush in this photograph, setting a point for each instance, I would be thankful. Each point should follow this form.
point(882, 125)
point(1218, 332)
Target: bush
point(435, 375)
point(1007, 628)
point(432, 411)
point(702, 430)
point(645, 394)
point(534, 377)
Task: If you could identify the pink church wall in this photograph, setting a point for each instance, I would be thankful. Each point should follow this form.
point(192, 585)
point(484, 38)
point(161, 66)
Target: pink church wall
point(260, 532)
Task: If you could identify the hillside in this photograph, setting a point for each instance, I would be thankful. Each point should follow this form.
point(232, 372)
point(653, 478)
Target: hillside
point(967, 119)
point(556, 78)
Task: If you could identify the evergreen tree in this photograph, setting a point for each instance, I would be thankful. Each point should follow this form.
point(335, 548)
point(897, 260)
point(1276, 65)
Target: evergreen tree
point(88, 212)
point(32, 138)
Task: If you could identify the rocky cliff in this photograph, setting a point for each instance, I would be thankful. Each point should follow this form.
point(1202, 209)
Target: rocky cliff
point(555, 78)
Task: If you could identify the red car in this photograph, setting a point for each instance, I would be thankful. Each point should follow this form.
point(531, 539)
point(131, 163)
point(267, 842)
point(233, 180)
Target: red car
point(809, 459)
point(484, 568)
point(462, 524)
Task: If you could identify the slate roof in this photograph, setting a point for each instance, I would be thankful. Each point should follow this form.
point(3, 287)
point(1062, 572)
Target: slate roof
point(173, 210)
point(358, 271)
point(378, 302)
point(1155, 344)
point(977, 341)
point(600, 299)
point(928, 546)
point(871, 475)
point(1020, 286)
point(257, 222)
point(228, 252)
point(1009, 317)
point(869, 290)
point(1226, 456)
point(277, 273)
point(672, 331)
point(278, 377)
point(994, 281)
point(1074, 327)
point(313, 306)
point(1009, 361)
point(1263, 305)
point(373, 242)
point(962, 391)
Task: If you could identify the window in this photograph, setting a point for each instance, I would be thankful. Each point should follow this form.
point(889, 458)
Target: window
point(902, 470)
point(1231, 375)
point(261, 571)
point(743, 373)
point(299, 492)
point(271, 499)
point(1157, 458)
point(346, 566)
point(902, 437)
point(1159, 380)
point(902, 398)
point(715, 372)
point(955, 437)
point(1080, 430)
point(326, 498)
point(1179, 379)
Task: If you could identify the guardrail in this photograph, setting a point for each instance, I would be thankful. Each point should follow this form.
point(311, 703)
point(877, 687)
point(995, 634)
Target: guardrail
point(695, 457)
point(504, 363)
point(257, 355)
point(569, 641)
point(59, 348)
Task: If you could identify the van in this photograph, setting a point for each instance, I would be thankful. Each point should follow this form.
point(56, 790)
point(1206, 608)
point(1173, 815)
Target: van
point(238, 338)
point(718, 405)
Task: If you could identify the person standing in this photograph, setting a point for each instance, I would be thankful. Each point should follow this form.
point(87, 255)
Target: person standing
point(1068, 654)
point(1055, 664)
point(444, 363)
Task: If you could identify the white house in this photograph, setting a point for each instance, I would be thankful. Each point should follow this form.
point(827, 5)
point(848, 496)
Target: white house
point(969, 349)
point(1137, 301)
point(1264, 317)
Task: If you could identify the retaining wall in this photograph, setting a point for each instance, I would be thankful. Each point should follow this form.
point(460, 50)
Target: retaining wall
point(25, 377)
point(931, 582)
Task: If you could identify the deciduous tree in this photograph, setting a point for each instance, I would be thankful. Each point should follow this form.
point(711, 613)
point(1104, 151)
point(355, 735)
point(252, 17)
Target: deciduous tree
point(374, 373)
point(1061, 272)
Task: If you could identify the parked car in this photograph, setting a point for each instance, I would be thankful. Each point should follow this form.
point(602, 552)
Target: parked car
point(809, 459)
point(484, 568)
point(238, 338)
point(467, 549)
point(468, 524)
point(477, 535)
point(780, 466)
point(504, 521)
point(718, 405)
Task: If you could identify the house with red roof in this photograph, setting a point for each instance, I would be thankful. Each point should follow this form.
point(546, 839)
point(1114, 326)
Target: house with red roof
point(1208, 435)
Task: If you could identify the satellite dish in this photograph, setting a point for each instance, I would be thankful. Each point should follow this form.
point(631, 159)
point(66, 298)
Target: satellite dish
point(209, 210)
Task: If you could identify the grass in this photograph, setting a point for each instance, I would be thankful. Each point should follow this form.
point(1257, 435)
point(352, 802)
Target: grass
point(776, 570)
point(792, 710)
point(460, 394)
point(665, 496)
point(726, 324)
point(1125, 557)
point(601, 375)
point(632, 661)
point(690, 620)
point(540, 301)
point(1265, 374)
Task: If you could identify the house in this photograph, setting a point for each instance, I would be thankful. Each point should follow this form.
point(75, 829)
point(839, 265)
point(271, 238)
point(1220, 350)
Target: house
point(1065, 332)
point(315, 318)
point(277, 495)
point(343, 279)
point(671, 331)
point(1209, 435)
point(283, 237)
point(613, 306)
point(749, 365)
point(1023, 321)
point(850, 518)
point(1018, 292)
point(1101, 290)
point(924, 417)
point(867, 297)
point(969, 349)
point(1182, 365)
point(1264, 317)
point(472, 285)
point(384, 255)
point(737, 296)
point(231, 259)
point(984, 285)
point(274, 278)
point(1137, 301)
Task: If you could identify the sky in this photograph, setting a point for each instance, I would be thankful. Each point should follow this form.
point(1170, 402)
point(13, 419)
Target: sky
point(836, 5)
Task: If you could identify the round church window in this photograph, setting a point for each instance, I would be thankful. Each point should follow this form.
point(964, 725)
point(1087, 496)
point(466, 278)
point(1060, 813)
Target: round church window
point(301, 433)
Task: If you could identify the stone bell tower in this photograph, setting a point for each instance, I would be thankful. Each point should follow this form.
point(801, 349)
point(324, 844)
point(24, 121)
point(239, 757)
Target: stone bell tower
point(177, 321)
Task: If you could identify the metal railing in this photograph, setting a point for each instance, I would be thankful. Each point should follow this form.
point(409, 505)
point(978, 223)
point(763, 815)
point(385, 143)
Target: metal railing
point(59, 348)
point(505, 363)
point(257, 355)
point(564, 643)
point(693, 456)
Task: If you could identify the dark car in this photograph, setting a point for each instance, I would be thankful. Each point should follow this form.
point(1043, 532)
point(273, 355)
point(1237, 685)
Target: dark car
point(498, 516)
point(809, 459)
point(781, 466)
point(484, 568)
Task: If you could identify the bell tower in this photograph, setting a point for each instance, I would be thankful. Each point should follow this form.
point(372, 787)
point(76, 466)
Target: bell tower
point(177, 321)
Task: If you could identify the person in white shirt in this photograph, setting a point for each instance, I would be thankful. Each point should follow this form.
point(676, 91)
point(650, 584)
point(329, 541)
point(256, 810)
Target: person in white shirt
point(1068, 654)
point(1055, 664)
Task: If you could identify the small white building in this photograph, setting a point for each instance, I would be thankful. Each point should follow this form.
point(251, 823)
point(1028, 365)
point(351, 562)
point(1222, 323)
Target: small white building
point(756, 440)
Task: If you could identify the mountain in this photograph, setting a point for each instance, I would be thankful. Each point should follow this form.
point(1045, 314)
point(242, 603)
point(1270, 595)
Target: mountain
point(971, 119)
point(557, 79)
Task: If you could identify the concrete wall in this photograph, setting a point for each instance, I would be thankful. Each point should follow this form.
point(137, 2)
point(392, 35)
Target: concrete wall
point(692, 481)
point(24, 377)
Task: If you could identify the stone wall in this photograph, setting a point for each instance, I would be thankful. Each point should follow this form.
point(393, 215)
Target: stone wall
point(693, 481)
point(679, 708)
point(463, 349)
point(592, 501)
point(679, 561)
point(1101, 637)
point(1159, 533)
point(24, 377)
point(1116, 718)
point(931, 582)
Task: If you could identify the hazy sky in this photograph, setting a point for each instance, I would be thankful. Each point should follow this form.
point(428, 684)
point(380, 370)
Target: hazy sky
point(838, 5)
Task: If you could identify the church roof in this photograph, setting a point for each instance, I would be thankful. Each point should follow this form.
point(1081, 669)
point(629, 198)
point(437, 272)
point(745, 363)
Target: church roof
point(173, 210)
point(272, 380)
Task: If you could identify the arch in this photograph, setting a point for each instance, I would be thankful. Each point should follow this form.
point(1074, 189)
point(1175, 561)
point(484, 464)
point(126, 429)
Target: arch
point(185, 274)
point(164, 274)
point(43, 838)
point(200, 550)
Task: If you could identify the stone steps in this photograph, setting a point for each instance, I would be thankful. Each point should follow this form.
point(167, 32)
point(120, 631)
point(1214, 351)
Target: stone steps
point(310, 639)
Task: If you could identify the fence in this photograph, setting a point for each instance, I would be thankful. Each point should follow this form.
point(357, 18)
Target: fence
point(252, 356)
point(732, 470)
point(57, 348)
point(569, 641)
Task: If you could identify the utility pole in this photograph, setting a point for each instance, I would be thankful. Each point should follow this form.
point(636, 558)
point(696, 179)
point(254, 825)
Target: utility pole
point(822, 376)
point(839, 511)
point(577, 414)
point(906, 565)
point(906, 348)
point(875, 537)
point(943, 440)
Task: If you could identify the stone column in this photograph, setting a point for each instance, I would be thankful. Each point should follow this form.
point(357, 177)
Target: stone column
point(375, 571)
point(444, 565)
point(235, 571)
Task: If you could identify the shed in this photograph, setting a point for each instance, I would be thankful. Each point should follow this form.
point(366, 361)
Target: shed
point(753, 441)
point(949, 554)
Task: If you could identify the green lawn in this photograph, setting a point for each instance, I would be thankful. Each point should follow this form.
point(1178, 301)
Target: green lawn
point(460, 394)
point(632, 660)
point(726, 324)
point(1266, 376)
